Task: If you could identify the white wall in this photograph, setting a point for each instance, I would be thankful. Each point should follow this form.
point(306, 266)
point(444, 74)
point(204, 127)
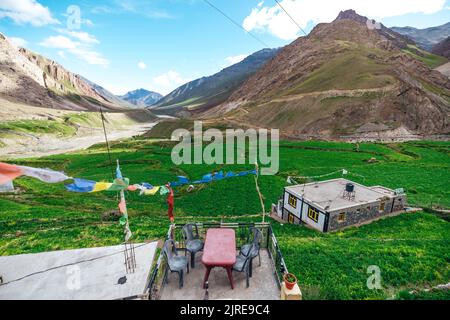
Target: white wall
point(316, 225)
point(295, 211)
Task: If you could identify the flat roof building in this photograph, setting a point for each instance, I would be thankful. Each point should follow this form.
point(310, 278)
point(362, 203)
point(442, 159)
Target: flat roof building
point(335, 204)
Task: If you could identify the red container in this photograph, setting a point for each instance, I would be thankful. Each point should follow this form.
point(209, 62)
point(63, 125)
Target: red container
point(290, 280)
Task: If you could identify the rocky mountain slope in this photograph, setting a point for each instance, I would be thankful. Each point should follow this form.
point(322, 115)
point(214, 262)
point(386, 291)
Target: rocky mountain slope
point(142, 97)
point(443, 48)
point(425, 38)
point(207, 92)
point(343, 79)
point(29, 78)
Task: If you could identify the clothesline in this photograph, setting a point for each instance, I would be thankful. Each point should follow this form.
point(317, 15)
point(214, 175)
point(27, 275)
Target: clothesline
point(120, 184)
point(291, 179)
point(9, 172)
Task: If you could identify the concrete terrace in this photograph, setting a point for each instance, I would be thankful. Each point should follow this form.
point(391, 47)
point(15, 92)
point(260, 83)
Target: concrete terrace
point(263, 285)
point(328, 194)
point(80, 274)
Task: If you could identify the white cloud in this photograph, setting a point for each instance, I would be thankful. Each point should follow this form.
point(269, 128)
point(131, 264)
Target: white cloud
point(26, 11)
point(235, 59)
point(87, 22)
point(59, 42)
point(142, 65)
point(90, 56)
point(62, 54)
point(168, 81)
point(19, 42)
point(80, 35)
point(274, 20)
point(80, 50)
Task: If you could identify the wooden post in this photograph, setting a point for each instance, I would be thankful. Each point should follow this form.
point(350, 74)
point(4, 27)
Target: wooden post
point(259, 193)
point(130, 259)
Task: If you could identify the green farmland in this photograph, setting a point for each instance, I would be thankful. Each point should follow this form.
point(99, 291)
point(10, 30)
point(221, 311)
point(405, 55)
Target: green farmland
point(411, 250)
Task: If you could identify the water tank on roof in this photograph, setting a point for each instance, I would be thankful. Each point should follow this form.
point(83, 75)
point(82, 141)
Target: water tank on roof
point(350, 187)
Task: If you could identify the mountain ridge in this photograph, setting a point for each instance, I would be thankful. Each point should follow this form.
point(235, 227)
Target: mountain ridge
point(425, 38)
point(206, 92)
point(33, 79)
point(442, 48)
point(340, 77)
point(142, 97)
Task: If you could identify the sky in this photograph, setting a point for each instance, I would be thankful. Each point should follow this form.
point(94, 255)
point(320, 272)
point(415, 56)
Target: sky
point(159, 45)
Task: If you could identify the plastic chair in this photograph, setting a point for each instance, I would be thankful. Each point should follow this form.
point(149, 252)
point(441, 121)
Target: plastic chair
point(175, 262)
point(252, 248)
point(242, 265)
point(193, 242)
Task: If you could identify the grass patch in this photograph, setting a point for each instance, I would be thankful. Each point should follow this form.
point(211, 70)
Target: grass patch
point(430, 59)
point(38, 127)
point(353, 70)
point(411, 250)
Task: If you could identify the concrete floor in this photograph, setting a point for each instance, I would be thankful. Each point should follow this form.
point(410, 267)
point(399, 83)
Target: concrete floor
point(89, 280)
point(263, 285)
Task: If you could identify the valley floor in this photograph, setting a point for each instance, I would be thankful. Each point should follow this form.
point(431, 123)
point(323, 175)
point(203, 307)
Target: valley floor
point(27, 131)
point(38, 146)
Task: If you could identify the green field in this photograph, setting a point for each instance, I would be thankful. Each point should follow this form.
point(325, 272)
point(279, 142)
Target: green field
point(431, 60)
point(411, 250)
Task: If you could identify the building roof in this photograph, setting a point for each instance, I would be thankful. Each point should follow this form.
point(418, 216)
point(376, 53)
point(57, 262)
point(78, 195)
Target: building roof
point(56, 274)
point(327, 195)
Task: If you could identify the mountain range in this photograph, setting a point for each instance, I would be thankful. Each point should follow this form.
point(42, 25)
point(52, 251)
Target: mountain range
point(425, 38)
point(204, 93)
point(29, 78)
point(347, 77)
point(142, 97)
point(343, 79)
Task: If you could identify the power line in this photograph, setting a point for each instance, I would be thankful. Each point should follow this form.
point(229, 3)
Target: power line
point(290, 17)
point(236, 23)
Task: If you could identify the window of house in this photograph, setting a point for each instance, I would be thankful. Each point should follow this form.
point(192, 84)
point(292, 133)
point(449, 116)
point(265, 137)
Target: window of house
point(341, 217)
point(292, 201)
point(291, 219)
point(313, 214)
point(382, 205)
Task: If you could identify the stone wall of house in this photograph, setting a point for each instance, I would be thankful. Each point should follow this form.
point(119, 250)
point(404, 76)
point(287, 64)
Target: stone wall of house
point(359, 214)
point(400, 203)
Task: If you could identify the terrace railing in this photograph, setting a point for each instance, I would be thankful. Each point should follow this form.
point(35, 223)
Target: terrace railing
point(160, 269)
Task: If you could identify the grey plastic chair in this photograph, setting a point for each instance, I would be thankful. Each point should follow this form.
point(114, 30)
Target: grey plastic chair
point(242, 265)
point(252, 248)
point(193, 242)
point(175, 262)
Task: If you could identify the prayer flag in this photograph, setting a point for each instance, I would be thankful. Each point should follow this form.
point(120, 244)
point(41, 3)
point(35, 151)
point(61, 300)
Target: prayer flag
point(9, 172)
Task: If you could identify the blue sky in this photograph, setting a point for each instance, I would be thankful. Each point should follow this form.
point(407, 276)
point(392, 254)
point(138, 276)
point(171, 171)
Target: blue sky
point(161, 44)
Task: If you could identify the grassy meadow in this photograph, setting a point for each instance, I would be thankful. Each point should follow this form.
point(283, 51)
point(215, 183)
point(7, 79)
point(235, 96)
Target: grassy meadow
point(411, 249)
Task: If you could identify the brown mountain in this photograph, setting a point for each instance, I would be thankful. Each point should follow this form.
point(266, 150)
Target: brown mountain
point(29, 78)
point(344, 78)
point(443, 48)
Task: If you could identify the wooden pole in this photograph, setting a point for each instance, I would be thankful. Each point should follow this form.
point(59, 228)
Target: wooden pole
point(259, 193)
point(130, 262)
